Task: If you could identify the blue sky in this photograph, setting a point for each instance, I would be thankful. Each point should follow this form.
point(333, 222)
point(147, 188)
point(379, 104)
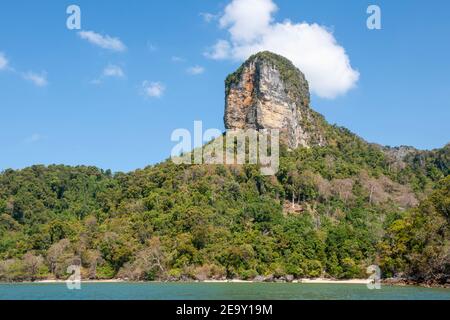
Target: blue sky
point(66, 100)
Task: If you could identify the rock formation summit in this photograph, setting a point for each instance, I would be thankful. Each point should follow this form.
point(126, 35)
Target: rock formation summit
point(269, 92)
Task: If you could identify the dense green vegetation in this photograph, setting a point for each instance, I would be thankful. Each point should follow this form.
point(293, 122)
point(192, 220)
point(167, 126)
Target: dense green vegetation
point(331, 211)
point(418, 243)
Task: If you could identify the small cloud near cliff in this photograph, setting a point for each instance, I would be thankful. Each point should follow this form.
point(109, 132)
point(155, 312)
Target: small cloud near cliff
point(311, 47)
point(153, 89)
point(113, 71)
point(195, 70)
point(39, 80)
point(103, 41)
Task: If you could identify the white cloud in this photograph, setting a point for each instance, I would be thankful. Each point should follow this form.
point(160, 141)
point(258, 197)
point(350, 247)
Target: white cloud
point(196, 70)
point(3, 61)
point(110, 71)
point(39, 80)
point(208, 17)
point(247, 20)
point(311, 47)
point(105, 42)
point(113, 71)
point(153, 89)
point(221, 50)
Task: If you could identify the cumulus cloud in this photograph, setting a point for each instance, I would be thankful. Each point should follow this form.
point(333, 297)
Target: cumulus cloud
point(311, 47)
point(103, 41)
point(113, 71)
point(195, 70)
point(3, 61)
point(39, 80)
point(153, 89)
point(247, 20)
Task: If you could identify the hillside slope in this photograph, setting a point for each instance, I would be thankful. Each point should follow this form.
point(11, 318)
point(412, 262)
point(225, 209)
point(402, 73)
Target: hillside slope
point(337, 205)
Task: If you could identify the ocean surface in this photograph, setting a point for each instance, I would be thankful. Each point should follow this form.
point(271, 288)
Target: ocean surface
point(215, 291)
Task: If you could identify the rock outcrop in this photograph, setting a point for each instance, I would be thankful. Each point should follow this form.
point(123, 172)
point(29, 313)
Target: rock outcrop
point(269, 92)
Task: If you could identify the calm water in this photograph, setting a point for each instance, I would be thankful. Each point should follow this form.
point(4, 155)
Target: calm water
point(214, 291)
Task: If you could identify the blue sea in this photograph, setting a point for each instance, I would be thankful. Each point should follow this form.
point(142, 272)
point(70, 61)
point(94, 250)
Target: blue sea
point(217, 291)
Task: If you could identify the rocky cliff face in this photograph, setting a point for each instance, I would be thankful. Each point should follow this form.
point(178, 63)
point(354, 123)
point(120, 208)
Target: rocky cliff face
point(269, 92)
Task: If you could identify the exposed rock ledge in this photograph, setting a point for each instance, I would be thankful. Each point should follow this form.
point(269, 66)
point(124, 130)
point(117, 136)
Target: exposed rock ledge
point(269, 92)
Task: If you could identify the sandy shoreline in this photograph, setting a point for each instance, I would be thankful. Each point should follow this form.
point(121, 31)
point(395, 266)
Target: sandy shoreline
point(318, 281)
point(308, 281)
point(83, 281)
point(330, 281)
point(386, 282)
